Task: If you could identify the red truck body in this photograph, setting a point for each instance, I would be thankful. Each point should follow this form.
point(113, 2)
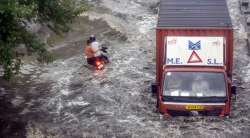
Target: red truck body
point(193, 20)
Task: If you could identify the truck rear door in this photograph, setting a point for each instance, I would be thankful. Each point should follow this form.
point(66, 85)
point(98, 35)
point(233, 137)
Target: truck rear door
point(194, 51)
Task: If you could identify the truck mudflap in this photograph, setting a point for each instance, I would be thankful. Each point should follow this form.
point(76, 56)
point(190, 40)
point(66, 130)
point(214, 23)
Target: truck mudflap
point(192, 109)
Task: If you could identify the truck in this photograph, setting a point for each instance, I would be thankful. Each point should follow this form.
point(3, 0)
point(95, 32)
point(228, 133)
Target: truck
point(194, 58)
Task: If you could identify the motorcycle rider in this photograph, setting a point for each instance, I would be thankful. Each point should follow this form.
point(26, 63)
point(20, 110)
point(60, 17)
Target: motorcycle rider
point(95, 46)
point(97, 50)
point(89, 53)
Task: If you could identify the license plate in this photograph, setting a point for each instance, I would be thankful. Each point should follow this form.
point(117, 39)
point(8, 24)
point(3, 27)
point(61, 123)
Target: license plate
point(194, 107)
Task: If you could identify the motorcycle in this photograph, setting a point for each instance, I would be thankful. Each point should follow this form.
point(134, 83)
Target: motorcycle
point(100, 61)
point(99, 64)
point(103, 59)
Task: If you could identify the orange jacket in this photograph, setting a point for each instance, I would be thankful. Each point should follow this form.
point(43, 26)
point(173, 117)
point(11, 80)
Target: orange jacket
point(89, 52)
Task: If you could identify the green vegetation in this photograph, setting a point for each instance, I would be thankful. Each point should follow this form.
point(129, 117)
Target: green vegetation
point(16, 15)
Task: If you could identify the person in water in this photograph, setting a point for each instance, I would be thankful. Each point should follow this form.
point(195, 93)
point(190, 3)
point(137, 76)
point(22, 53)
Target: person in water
point(89, 53)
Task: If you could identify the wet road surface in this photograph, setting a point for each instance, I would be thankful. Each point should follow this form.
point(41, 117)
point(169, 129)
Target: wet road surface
point(67, 99)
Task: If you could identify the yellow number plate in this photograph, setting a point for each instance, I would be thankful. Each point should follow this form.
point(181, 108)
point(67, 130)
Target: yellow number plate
point(194, 107)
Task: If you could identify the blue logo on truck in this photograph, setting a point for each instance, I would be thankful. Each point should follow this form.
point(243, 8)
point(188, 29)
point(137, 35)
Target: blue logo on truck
point(194, 46)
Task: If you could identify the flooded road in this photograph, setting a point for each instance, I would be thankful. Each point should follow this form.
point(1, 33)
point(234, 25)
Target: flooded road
point(66, 99)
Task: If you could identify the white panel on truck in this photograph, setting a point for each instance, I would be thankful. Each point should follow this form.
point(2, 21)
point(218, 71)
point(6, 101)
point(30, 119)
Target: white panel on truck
point(195, 51)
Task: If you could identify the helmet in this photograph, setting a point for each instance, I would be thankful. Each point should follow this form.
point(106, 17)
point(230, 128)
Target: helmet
point(92, 38)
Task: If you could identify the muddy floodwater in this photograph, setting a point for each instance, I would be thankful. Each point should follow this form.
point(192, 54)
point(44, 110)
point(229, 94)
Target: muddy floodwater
point(66, 99)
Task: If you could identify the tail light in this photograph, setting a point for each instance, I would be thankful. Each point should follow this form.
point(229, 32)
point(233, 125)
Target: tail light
point(99, 65)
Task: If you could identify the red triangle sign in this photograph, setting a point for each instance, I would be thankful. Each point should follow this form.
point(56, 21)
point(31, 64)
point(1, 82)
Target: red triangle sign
point(194, 58)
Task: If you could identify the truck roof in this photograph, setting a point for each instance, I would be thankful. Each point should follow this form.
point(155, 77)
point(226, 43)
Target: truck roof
point(193, 14)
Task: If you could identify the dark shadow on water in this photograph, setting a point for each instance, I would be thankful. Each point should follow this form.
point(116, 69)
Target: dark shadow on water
point(11, 124)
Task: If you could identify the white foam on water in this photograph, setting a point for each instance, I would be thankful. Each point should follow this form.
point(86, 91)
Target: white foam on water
point(17, 101)
point(77, 103)
point(148, 23)
point(27, 69)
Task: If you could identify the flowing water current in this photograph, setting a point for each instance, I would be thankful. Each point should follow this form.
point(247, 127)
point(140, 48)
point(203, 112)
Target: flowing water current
point(68, 99)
